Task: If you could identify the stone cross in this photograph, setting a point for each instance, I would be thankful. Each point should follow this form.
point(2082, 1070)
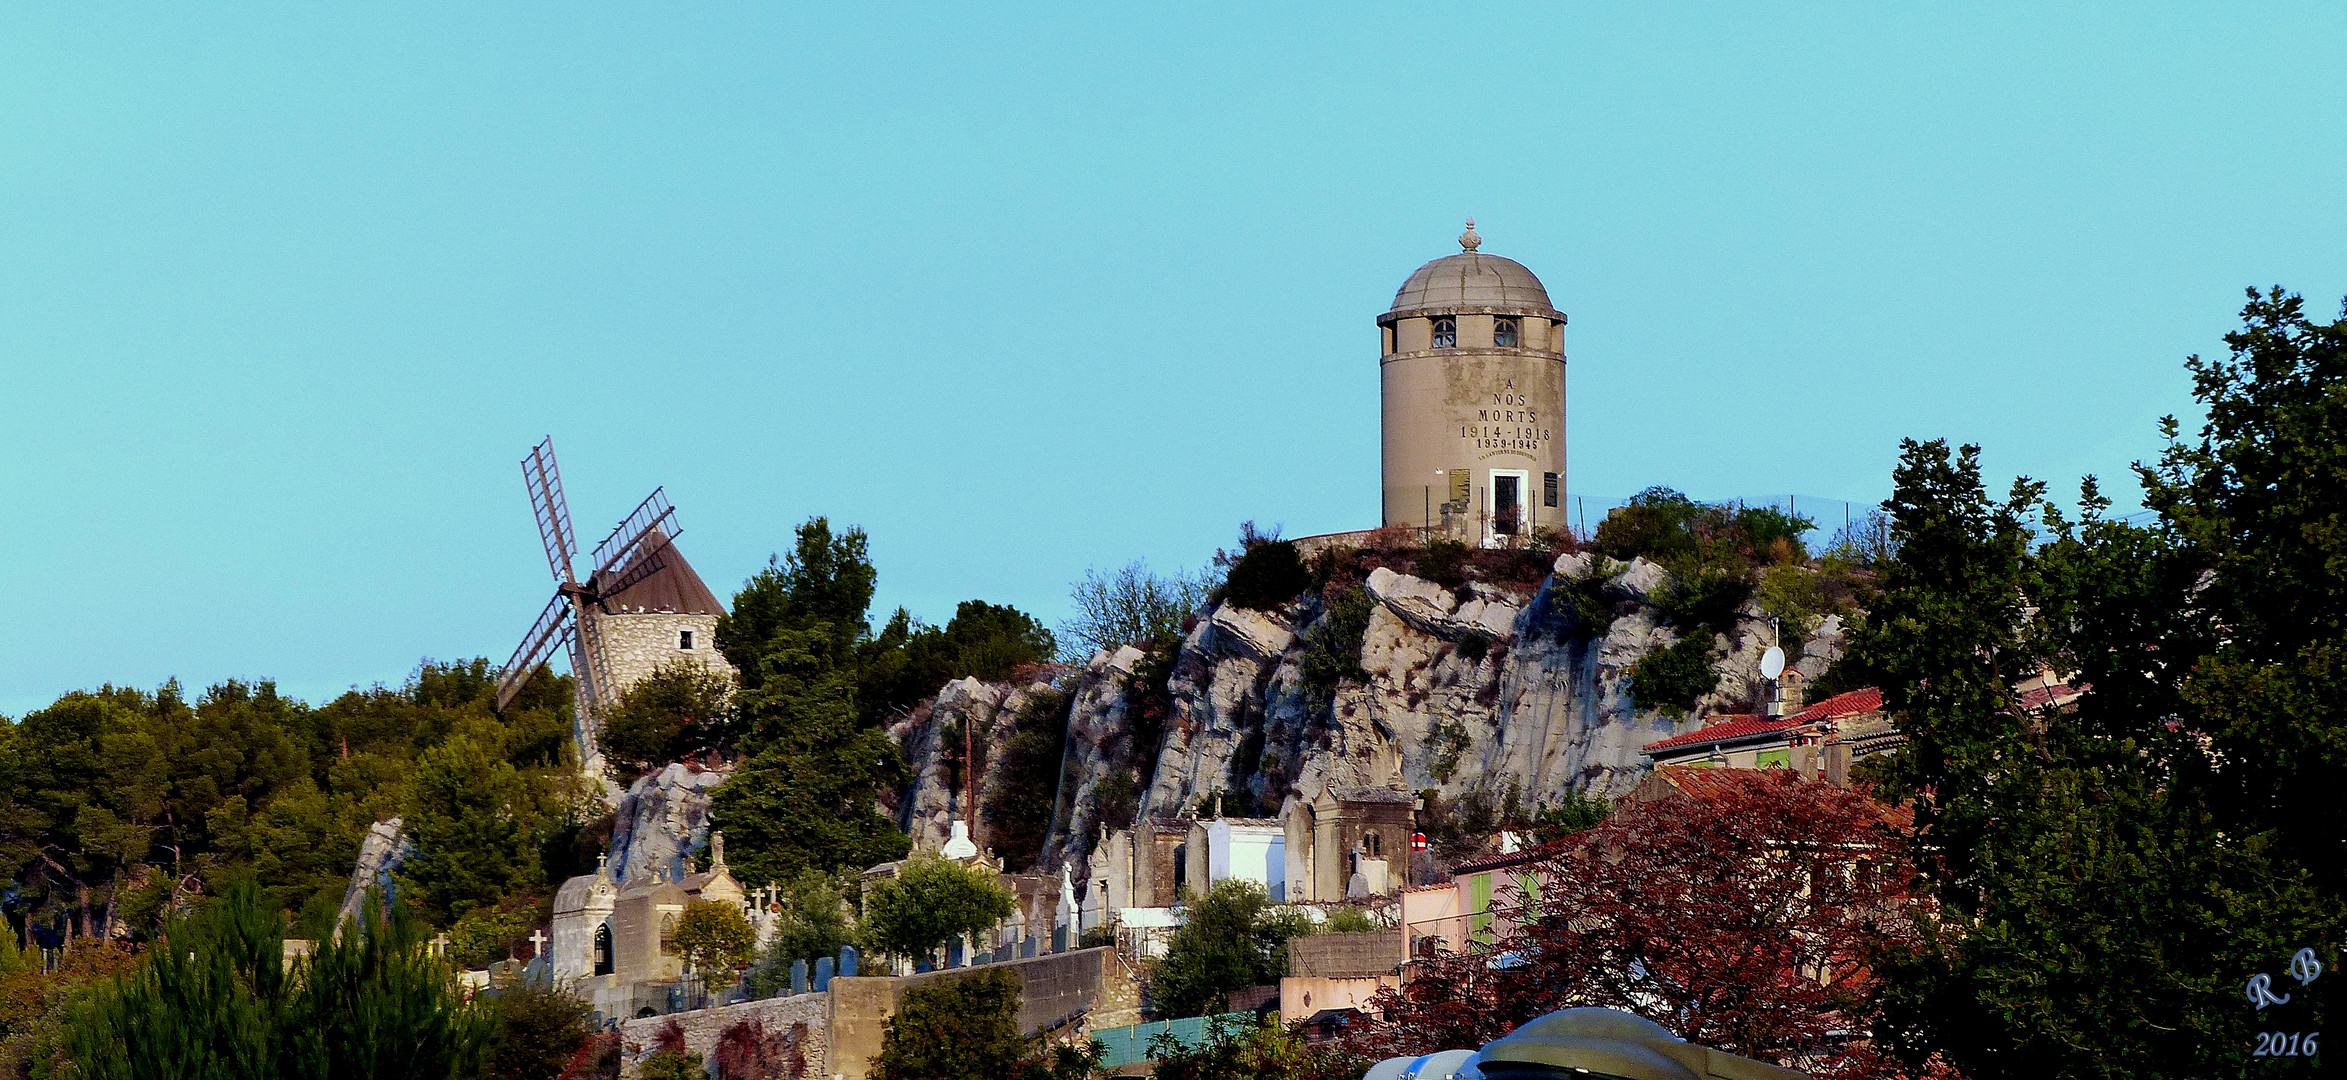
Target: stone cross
point(537, 943)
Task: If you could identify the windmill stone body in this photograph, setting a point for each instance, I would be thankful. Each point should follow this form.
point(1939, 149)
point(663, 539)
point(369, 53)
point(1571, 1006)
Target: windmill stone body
point(640, 609)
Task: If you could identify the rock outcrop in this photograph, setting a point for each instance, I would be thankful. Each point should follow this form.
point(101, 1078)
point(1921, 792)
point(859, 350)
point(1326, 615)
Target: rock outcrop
point(381, 852)
point(662, 820)
point(931, 738)
point(1469, 688)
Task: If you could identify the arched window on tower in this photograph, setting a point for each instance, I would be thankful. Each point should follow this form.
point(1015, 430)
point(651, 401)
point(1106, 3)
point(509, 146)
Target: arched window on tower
point(1503, 333)
point(1446, 334)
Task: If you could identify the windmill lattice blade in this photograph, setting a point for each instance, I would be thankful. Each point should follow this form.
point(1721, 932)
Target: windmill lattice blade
point(653, 513)
point(549, 632)
point(543, 477)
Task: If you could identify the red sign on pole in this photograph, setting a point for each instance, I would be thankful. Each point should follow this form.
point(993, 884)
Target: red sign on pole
point(1418, 841)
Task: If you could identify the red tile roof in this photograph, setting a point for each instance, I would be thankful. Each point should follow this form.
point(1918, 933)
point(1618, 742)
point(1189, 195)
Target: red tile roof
point(1735, 726)
point(1704, 782)
point(1741, 726)
point(1710, 782)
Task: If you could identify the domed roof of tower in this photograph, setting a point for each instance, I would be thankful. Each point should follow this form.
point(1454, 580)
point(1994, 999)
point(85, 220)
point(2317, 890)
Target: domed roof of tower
point(1471, 281)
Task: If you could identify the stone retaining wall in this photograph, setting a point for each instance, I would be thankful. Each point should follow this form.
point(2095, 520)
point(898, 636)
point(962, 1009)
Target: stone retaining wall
point(702, 1027)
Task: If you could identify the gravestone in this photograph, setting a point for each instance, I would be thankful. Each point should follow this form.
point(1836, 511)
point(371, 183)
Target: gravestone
point(798, 976)
point(953, 955)
point(822, 974)
point(1059, 939)
point(847, 961)
point(1027, 948)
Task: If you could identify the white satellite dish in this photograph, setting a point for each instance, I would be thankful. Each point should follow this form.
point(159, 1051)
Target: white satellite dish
point(1772, 662)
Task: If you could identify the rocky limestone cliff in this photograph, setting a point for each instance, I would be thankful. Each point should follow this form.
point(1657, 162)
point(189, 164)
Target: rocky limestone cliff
point(931, 738)
point(381, 852)
point(662, 821)
point(1469, 688)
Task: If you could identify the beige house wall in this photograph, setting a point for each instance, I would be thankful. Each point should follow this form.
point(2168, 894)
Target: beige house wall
point(1299, 998)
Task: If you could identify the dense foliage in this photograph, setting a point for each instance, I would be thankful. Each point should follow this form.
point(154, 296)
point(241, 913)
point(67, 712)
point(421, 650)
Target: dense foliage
point(1024, 788)
point(930, 902)
point(114, 802)
point(1233, 939)
point(1669, 679)
point(967, 1028)
point(815, 687)
point(1268, 573)
point(679, 710)
point(1249, 1051)
point(217, 999)
point(910, 660)
point(813, 923)
point(1332, 653)
point(536, 1033)
point(806, 796)
point(715, 941)
point(2109, 876)
point(1741, 919)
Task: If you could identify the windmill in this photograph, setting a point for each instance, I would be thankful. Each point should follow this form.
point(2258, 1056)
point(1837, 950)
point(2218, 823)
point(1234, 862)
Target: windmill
point(639, 607)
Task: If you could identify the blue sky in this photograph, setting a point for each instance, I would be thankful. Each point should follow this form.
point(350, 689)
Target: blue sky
point(286, 292)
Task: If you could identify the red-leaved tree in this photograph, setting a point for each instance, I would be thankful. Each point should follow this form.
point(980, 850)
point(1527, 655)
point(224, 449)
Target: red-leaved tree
point(1739, 912)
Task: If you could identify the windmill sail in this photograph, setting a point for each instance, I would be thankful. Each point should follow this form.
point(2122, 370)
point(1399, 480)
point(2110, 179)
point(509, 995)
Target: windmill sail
point(552, 630)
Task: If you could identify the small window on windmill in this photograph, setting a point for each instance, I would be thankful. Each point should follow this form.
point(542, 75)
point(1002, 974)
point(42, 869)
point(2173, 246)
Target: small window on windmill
point(1503, 333)
point(1548, 489)
point(1446, 334)
point(684, 638)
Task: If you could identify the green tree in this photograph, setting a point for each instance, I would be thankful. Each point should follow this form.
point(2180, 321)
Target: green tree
point(807, 797)
point(469, 812)
point(967, 1028)
point(218, 1000)
point(824, 587)
point(909, 661)
point(1267, 574)
point(715, 940)
point(672, 1065)
point(1572, 813)
point(1233, 939)
point(1671, 678)
point(1333, 652)
point(1349, 921)
point(1131, 606)
point(677, 710)
point(813, 924)
point(536, 1034)
point(931, 902)
point(2105, 876)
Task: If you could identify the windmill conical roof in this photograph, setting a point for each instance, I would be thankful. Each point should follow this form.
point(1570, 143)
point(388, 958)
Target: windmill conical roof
point(657, 578)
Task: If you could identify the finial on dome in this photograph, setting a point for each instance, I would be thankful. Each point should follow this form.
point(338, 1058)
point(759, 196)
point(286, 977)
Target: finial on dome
point(1468, 241)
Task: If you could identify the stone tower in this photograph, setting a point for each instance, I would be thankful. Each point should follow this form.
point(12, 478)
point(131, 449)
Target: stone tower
point(1473, 377)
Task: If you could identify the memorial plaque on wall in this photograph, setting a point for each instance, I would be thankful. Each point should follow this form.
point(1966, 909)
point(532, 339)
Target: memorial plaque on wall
point(2290, 1002)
